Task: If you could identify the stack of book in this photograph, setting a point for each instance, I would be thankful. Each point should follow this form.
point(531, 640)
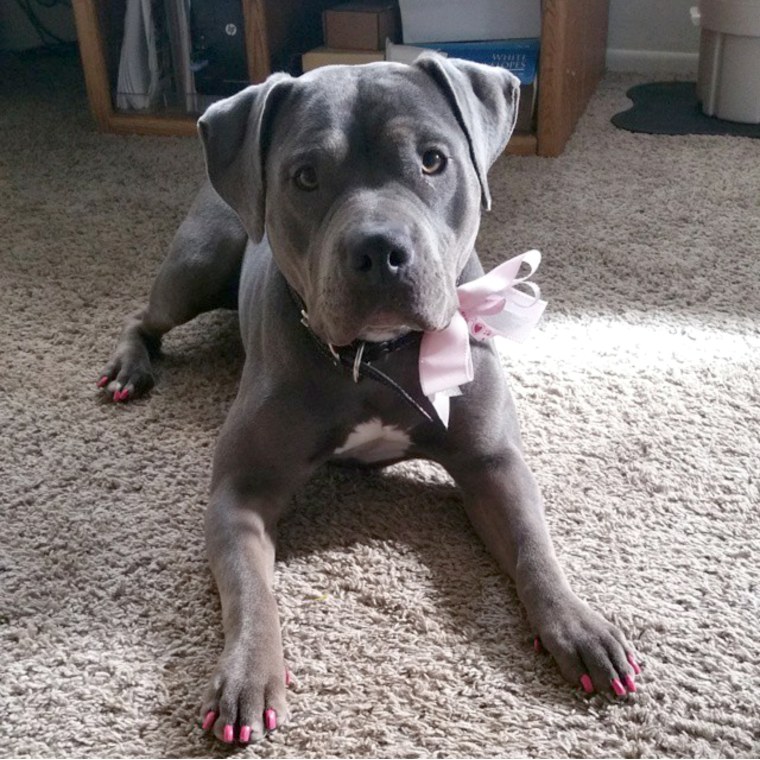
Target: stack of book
point(497, 32)
point(520, 56)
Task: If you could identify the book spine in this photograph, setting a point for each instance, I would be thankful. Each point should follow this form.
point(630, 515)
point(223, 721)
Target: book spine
point(519, 58)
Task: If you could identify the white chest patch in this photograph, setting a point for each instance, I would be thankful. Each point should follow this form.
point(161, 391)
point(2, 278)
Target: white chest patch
point(372, 442)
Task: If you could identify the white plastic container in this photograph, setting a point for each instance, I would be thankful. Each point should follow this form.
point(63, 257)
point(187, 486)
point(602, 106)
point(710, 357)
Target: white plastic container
point(728, 80)
point(460, 21)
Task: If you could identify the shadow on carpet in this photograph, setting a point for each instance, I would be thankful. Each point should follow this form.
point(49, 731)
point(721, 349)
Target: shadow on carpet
point(672, 108)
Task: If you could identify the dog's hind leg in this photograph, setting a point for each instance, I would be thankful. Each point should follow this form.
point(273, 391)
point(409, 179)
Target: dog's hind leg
point(200, 273)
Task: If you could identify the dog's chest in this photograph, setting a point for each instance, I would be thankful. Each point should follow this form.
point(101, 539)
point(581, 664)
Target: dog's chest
point(372, 442)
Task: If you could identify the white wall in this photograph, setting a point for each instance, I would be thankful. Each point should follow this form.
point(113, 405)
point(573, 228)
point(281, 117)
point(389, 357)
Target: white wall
point(652, 36)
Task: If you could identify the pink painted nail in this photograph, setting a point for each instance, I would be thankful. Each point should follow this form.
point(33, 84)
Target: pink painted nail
point(629, 683)
point(588, 687)
point(208, 721)
point(245, 734)
point(229, 734)
point(288, 678)
point(634, 664)
point(537, 645)
point(618, 687)
point(270, 719)
point(103, 381)
point(117, 395)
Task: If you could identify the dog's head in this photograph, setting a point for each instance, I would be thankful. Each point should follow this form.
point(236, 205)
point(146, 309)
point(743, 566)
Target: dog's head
point(368, 182)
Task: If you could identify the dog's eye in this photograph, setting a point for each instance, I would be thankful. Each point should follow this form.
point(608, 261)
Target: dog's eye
point(433, 162)
point(306, 178)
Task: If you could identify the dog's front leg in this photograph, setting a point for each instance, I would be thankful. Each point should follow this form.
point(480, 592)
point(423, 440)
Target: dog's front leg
point(246, 695)
point(259, 463)
point(504, 504)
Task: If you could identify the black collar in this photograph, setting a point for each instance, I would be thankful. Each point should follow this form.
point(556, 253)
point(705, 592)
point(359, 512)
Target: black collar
point(357, 357)
point(368, 350)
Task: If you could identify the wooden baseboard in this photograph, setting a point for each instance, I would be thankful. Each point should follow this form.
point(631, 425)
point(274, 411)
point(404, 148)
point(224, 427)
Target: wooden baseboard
point(146, 124)
point(522, 145)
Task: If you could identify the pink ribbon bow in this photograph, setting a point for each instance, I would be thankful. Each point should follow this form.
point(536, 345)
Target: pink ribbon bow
point(491, 305)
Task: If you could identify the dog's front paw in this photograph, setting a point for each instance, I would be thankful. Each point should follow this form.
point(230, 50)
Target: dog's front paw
point(129, 372)
point(245, 698)
point(590, 651)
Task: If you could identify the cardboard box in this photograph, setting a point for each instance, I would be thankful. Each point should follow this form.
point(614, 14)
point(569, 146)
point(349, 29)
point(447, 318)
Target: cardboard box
point(361, 25)
point(324, 56)
point(446, 20)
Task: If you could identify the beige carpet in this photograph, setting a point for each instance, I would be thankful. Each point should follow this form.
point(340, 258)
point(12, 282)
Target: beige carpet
point(640, 401)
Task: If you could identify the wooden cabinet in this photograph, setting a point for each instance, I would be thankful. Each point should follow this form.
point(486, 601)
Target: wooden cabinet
point(573, 43)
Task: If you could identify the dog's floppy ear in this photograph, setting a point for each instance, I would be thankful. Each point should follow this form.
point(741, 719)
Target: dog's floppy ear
point(234, 136)
point(484, 100)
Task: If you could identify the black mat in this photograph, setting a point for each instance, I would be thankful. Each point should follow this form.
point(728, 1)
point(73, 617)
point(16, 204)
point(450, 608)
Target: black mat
point(671, 108)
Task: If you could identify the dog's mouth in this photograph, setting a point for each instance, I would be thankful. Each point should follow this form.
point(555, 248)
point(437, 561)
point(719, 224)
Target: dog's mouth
point(385, 325)
point(374, 326)
point(382, 333)
point(340, 319)
point(371, 333)
point(380, 327)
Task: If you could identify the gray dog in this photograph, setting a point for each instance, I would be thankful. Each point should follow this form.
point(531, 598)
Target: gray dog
point(340, 218)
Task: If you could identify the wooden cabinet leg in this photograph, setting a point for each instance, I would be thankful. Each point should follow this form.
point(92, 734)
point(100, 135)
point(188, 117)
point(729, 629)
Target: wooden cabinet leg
point(573, 49)
point(93, 57)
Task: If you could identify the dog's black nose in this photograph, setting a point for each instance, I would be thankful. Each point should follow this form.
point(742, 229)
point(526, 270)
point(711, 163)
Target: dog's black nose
point(378, 257)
